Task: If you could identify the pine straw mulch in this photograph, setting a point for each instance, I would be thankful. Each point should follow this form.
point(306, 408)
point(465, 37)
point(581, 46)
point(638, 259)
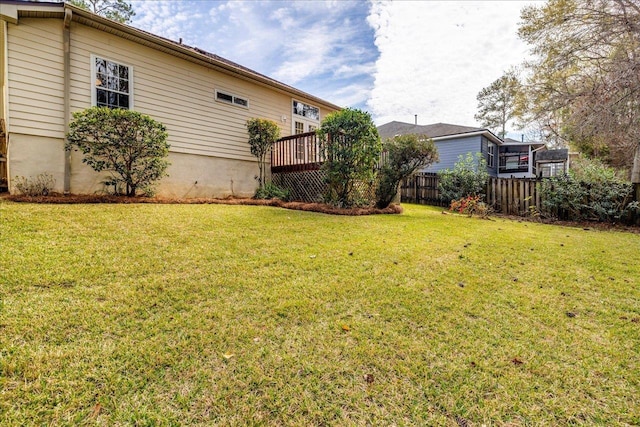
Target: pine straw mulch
point(301, 206)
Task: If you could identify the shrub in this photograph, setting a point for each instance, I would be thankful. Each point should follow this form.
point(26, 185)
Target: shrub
point(271, 191)
point(40, 185)
point(351, 145)
point(131, 146)
point(470, 205)
point(263, 134)
point(591, 191)
point(468, 178)
point(402, 156)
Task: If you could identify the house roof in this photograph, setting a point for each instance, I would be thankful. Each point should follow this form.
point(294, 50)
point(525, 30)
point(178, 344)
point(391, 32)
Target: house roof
point(553, 155)
point(28, 8)
point(436, 131)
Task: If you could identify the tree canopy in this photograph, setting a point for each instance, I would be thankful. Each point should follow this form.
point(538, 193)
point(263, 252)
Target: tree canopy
point(402, 157)
point(263, 134)
point(584, 83)
point(117, 10)
point(497, 103)
point(351, 146)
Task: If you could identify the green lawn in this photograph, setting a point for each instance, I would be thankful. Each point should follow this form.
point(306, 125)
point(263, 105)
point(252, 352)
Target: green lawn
point(245, 315)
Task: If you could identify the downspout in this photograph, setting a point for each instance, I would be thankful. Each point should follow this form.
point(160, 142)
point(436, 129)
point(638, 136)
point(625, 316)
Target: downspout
point(68, 14)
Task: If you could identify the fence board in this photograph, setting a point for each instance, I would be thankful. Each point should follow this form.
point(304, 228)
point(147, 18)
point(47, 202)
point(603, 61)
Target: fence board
point(512, 196)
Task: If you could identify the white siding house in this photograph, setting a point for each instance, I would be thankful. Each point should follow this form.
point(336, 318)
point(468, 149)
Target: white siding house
point(56, 59)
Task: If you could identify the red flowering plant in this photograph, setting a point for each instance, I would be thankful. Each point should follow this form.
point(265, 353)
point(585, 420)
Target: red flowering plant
point(470, 205)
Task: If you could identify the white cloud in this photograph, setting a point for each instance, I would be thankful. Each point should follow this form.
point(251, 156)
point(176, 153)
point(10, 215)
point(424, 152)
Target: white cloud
point(436, 56)
point(167, 19)
point(430, 58)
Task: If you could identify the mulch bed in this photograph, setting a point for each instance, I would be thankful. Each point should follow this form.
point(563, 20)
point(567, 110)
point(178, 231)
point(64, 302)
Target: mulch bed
point(301, 206)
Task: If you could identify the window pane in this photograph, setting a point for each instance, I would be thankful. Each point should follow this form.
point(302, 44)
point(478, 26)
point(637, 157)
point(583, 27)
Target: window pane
point(224, 97)
point(123, 101)
point(305, 110)
point(101, 66)
point(101, 97)
point(112, 99)
point(112, 69)
point(112, 83)
point(101, 80)
point(124, 86)
point(124, 72)
point(240, 101)
point(312, 112)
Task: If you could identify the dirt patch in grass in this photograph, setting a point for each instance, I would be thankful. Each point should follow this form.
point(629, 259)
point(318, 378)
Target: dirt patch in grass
point(301, 206)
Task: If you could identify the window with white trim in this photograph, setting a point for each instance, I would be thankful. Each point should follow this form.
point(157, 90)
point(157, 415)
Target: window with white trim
point(112, 84)
point(306, 118)
point(231, 99)
point(308, 111)
point(491, 155)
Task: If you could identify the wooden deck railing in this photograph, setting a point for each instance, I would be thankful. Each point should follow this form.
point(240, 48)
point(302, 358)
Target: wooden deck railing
point(296, 153)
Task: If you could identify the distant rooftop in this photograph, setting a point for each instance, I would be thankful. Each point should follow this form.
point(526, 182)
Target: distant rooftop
point(391, 129)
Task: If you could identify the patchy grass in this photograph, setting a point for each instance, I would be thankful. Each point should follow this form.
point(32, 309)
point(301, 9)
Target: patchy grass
point(245, 315)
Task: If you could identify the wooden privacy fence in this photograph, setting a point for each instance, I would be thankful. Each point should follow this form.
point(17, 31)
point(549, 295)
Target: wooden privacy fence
point(512, 196)
point(422, 189)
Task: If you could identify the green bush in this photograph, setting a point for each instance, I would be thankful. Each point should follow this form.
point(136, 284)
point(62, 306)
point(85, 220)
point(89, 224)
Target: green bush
point(131, 146)
point(468, 178)
point(263, 134)
point(351, 145)
point(271, 191)
point(402, 156)
point(591, 191)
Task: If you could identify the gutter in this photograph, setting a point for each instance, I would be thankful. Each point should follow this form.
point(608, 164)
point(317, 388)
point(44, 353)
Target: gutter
point(186, 52)
point(486, 133)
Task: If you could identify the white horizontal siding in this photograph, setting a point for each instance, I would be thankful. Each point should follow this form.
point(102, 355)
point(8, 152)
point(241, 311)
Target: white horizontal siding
point(180, 94)
point(36, 77)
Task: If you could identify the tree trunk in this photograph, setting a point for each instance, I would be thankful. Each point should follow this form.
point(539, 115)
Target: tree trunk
point(635, 172)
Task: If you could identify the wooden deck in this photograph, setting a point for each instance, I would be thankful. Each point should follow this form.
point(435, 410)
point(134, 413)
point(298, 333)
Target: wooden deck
point(296, 153)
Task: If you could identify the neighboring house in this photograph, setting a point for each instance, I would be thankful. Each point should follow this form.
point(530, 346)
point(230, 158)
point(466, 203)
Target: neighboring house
point(505, 159)
point(56, 59)
point(552, 162)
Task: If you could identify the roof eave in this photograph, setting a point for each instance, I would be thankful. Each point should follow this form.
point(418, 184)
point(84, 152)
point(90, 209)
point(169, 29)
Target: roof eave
point(151, 40)
point(17, 9)
point(482, 132)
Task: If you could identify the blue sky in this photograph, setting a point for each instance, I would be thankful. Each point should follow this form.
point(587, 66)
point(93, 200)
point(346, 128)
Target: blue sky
point(393, 59)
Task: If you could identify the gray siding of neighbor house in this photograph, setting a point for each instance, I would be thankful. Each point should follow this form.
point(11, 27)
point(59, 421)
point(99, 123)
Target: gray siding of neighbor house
point(450, 149)
point(493, 171)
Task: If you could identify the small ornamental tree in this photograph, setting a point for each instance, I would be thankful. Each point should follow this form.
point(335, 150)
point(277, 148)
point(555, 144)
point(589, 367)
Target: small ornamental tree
point(263, 134)
point(468, 178)
point(131, 146)
point(351, 146)
point(402, 156)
